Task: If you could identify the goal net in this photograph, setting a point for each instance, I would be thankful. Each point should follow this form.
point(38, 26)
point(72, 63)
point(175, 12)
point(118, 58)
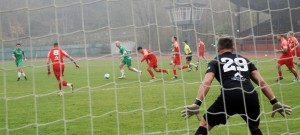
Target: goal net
point(88, 29)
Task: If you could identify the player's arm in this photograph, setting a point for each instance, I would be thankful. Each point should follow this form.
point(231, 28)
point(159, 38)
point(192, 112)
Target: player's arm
point(13, 56)
point(145, 56)
point(266, 89)
point(24, 55)
point(69, 57)
point(48, 64)
point(202, 92)
point(284, 50)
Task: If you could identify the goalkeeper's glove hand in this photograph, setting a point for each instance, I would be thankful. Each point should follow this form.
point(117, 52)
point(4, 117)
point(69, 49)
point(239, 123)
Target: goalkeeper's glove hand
point(190, 111)
point(280, 108)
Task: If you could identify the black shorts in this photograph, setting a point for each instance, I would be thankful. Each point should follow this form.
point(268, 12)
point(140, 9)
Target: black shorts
point(188, 58)
point(234, 105)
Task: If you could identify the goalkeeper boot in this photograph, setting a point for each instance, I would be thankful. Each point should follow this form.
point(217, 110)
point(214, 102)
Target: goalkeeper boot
point(18, 79)
point(279, 78)
point(25, 78)
point(60, 93)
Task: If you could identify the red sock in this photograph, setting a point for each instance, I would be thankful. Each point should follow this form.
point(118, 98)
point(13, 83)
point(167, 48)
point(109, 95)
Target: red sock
point(151, 73)
point(184, 67)
point(64, 83)
point(174, 72)
point(162, 70)
point(279, 73)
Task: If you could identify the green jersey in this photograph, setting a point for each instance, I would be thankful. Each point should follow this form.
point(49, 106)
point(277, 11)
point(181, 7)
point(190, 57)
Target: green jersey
point(124, 52)
point(19, 54)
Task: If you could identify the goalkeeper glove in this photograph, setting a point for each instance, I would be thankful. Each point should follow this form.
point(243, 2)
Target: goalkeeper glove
point(192, 110)
point(280, 108)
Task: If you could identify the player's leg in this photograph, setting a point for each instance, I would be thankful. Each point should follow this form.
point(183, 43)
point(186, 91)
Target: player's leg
point(193, 64)
point(174, 70)
point(214, 116)
point(121, 67)
point(290, 65)
point(129, 65)
point(278, 66)
point(149, 69)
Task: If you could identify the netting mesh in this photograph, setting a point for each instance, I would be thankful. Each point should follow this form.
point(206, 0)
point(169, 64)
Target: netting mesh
point(87, 30)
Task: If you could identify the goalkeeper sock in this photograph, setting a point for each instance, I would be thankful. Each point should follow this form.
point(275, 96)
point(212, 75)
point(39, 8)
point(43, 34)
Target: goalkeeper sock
point(184, 67)
point(151, 73)
point(201, 131)
point(19, 74)
point(122, 72)
point(193, 64)
point(174, 72)
point(23, 74)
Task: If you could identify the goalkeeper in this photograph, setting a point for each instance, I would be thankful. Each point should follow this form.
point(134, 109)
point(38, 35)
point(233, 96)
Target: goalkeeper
point(238, 95)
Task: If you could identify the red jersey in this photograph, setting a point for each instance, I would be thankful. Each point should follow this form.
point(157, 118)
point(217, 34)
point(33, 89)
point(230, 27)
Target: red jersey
point(56, 55)
point(176, 50)
point(284, 44)
point(148, 55)
point(201, 47)
point(293, 42)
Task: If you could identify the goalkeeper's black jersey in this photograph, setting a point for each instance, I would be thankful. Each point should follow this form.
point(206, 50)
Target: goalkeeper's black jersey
point(232, 71)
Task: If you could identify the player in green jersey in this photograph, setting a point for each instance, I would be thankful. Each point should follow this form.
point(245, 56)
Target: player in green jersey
point(217, 37)
point(125, 60)
point(188, 56)
point(19, 57)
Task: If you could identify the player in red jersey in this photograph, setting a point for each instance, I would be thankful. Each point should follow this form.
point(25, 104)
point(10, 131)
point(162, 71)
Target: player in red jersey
point(201, 50)
point(285, 59)
point(151, 61)
point(294, 44)
point(56, 55)
point(177, 57)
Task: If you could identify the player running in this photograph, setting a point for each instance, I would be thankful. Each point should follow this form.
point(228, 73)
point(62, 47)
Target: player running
point(56, 55)
point(188, 56)
point(294, 44)
point(285, 59)
point(201, 50)
point(125, 60)
point(19, 57)
point(176, 61)
point(238, 95)
point(151, 61)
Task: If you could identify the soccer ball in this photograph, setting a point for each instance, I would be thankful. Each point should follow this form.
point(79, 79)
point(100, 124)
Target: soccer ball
point(106, 76)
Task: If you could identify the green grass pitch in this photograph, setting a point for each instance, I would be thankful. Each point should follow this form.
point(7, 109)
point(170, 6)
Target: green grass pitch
point(104, 106)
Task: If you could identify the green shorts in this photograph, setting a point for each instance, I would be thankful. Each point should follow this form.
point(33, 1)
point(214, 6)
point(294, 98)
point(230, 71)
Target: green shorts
point(127, 62)
point(19, 63)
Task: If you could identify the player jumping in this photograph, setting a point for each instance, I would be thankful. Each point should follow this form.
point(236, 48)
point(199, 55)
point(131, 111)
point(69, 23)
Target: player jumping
point(125, 60)
point(294, 44)
point(19, 57)
point(238, 95)
point(189, 56)
point(285, 59)
point(56, 55)
point(152, 62)
point(176, 61)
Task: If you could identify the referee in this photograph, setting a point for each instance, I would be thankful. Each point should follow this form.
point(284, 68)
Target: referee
point(238, 95)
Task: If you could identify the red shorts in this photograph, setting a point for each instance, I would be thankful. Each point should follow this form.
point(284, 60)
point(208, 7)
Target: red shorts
point(58, 71)
point(286, 61)
point(153, 63)
point(176, 61)
point(201, 53)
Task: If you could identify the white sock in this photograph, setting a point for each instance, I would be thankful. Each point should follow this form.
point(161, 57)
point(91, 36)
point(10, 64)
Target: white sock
point(122, 72)
point(135, 70)
point(23, 74)
point(69, 84)
point(19, 74)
